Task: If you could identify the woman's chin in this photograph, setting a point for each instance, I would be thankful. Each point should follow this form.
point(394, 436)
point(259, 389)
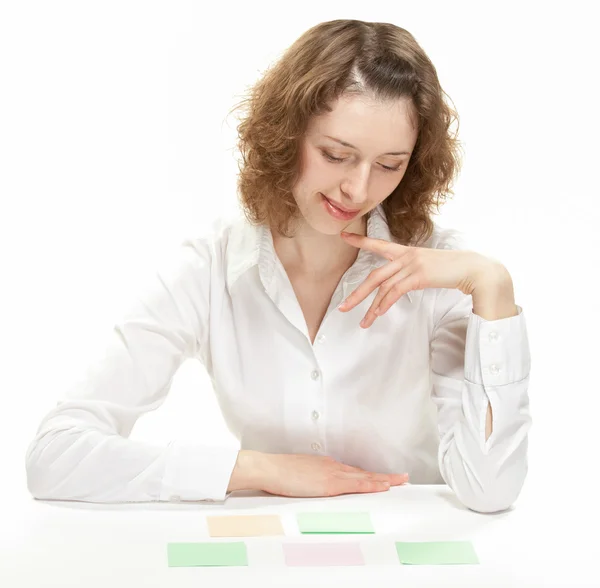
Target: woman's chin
point(329, 226)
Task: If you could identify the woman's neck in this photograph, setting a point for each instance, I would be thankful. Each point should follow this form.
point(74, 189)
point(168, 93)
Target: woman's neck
point(316, 254)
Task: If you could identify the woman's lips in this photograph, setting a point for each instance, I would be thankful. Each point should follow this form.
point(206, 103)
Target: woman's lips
point(337, 212)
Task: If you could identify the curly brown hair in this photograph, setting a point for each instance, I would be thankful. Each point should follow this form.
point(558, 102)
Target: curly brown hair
point(332, 59)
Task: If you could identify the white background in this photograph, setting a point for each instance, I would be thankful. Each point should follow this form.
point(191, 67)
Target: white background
point(115, 144)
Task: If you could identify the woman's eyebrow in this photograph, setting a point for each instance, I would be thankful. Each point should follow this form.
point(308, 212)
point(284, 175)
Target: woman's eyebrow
point(346, 144)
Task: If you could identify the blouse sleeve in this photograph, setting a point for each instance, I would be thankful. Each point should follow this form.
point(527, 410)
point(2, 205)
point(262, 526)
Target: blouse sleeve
point(82, 450)
point(476, 362)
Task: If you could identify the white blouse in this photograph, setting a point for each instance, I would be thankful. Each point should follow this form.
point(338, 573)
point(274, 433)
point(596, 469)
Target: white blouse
point(408, 394)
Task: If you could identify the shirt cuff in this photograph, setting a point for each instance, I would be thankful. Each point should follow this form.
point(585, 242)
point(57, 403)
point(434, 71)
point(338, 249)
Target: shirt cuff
point(497, 352)
point(195, 472)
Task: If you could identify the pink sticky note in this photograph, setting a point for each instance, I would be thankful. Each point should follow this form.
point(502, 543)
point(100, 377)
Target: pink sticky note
point(323, 554)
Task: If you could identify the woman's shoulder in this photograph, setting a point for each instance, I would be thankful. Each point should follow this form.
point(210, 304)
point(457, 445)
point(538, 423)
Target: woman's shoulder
point(226, 248)
point(223, 233)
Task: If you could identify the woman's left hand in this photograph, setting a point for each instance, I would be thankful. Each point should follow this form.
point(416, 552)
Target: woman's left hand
point(415, 268)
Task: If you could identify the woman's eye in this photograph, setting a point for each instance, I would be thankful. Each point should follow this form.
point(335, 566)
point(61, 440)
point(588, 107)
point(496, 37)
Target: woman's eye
point(392, 169)
point(338, 160)
point(331, 157)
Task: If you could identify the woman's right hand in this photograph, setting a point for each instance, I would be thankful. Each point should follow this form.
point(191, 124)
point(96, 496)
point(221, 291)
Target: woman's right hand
point(305, 476)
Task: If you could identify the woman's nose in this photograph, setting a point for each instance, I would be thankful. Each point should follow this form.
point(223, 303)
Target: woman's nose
point(355, 186)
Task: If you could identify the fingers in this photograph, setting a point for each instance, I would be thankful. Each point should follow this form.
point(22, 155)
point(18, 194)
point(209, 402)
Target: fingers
point(397, 290)
point(389, 292)
point(398, 479)
point(362, 485)
point(380, 246)
point(353, 469)
point(393, 479)
point(357, 486)
point(304, 475)
point(367, 481)
point(374, 279)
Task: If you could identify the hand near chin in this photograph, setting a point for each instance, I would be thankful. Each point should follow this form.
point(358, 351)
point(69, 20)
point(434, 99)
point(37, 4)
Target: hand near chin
point(416, 268)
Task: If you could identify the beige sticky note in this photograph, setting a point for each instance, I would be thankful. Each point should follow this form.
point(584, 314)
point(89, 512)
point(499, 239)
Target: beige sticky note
point(244, 525)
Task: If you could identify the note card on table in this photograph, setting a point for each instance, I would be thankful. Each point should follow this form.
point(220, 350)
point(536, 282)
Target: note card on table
point(323, 554)
point(207, 554)
point(244, 526)
point(437, 552)
point(335, 522)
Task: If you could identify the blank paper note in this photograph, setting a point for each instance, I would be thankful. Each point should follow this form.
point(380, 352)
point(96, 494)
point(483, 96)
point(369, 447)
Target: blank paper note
point(437, 552)
point(207, 554)
point(244, 526)
point(335, 522)
point(323, 554)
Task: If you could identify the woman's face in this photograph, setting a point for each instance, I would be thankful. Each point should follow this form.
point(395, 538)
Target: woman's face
point(379, 138)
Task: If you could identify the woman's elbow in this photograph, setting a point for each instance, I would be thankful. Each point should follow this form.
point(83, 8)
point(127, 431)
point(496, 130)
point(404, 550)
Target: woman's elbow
point(498, 494)
point(43, 473)
point(488, 502)
point(36, 470)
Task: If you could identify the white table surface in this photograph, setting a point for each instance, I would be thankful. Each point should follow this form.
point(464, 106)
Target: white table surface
point(77, 544)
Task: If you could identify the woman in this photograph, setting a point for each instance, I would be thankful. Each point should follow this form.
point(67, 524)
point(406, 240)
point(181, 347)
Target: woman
point(345, 150)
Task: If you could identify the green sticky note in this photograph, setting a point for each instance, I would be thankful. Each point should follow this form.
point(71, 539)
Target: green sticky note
point(207, 554)
point(335, 522)
point(437, 552)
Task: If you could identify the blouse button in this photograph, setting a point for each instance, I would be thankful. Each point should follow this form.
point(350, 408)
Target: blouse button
point(494, 369)
point(315, 415)
point(493, 336)
point(320, 338)
point(316, 446)
point(314, 375)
